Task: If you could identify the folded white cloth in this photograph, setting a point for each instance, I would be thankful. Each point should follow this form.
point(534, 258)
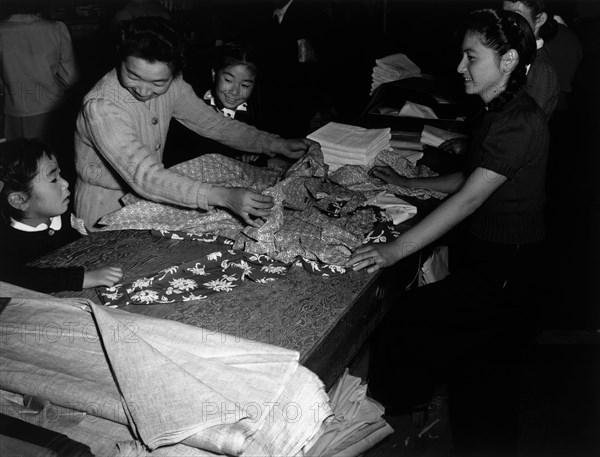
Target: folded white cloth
point(392, 68)
point(397, 209)
point(349, 137)
point(433, 136)
point(412, 109)
point(398, 64)
point(357, 424)
point(410, 155)
point(343, 144)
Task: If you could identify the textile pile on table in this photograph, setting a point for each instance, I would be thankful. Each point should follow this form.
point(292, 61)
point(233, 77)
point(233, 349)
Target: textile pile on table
point(317, 215)
point(344, 144)
point(180, 389)
point(392, 68)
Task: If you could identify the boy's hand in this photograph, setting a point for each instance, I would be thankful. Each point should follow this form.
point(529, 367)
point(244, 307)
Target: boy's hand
point(105, 276)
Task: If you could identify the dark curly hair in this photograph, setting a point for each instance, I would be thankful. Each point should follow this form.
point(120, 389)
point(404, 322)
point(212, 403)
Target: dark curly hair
point(19, 161)
point(152, 38)
point(502, 31)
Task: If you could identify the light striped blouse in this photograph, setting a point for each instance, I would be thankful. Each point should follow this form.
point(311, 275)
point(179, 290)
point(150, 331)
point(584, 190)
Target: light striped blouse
point(119, 145)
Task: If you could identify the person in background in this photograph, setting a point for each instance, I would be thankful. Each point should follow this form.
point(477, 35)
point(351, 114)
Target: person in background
point(566, 53)
point(34, 220)
point(466, 329)
point(542, 77)
point(38, 69)
point(565, 50)
point(234, 72)
point(123, 124)
point(291, 37)
point(140, 8)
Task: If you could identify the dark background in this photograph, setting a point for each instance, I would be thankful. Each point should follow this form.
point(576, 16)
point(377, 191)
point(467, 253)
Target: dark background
point(562, 394)
point(356, 32)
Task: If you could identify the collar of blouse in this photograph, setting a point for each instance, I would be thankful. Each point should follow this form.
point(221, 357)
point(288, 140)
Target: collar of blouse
point(208, 96)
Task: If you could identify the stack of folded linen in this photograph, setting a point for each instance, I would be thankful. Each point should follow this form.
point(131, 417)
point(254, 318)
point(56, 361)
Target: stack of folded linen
point(392, 68)
point(344, 144)
point(433, 136)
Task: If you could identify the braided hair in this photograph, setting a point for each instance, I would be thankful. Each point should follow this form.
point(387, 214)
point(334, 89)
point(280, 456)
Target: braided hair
point(19, 161)
point(502, 31)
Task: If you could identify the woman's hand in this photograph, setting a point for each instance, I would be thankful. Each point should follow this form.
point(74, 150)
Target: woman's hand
point(388, 175)
point(374, 257)
point(292, 149)
point(105, 276)
point(456, 146)
point(246, 203)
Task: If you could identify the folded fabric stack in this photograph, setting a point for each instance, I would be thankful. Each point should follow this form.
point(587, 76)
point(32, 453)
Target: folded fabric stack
point(392, 68)
point(358, 424)
point(344, 144)
point(165, 387)
point(406, 140)
point(433, 136)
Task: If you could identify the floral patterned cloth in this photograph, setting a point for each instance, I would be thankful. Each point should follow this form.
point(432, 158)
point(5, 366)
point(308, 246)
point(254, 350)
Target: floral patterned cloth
point(220, 271)
point(316, 222)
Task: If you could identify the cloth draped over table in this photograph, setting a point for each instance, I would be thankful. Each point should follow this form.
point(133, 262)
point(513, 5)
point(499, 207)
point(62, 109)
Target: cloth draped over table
point(317, 220)
point(169, 382)
point(222, 270)
point(300, 222)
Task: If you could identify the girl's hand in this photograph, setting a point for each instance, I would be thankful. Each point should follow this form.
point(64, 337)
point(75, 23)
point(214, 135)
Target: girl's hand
point(388, 175)
point(374, 257)
point(106, 276)
point(456, 146)
point(292, 149)
point(246, 203)
point(249, 158)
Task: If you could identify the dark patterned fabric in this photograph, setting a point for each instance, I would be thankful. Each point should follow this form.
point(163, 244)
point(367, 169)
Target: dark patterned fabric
point(220, 271)
point(316, 222)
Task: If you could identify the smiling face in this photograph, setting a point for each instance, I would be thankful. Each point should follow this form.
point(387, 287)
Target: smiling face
point(145, 80)
point(234, 85)
point(49, 195)
point(480, 69)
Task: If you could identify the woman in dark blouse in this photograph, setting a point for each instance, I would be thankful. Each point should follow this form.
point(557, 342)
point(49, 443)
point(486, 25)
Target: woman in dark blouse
point(469, 322)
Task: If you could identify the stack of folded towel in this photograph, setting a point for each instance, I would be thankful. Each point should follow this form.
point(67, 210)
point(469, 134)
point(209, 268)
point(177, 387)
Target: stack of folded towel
point(392, 68)
point(344, 144)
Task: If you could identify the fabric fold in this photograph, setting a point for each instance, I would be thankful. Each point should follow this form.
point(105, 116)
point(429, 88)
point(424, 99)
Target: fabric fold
point(170, 382)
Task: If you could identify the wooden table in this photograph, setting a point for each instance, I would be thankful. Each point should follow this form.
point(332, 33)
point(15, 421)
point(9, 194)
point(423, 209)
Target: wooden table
point(326, 319)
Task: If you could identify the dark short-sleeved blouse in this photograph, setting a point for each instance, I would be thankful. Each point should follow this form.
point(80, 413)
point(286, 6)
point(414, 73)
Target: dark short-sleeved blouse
point(513, 142)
